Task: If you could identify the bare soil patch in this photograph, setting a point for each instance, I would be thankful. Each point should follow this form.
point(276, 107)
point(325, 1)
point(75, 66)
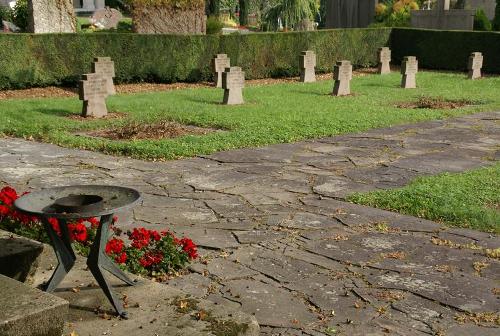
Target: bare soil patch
point(111, 115)
point(436, 103)
point(154, 131)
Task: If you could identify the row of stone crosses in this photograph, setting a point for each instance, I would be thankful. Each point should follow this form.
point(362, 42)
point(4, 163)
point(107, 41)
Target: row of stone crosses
point(95, 87)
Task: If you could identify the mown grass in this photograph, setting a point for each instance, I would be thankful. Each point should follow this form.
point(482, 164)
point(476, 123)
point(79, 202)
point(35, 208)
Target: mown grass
point(470, 199)
point(272, 114)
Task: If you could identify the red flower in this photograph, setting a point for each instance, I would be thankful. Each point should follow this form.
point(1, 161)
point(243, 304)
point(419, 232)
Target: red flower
point(55, 225)
point(189, 247)
point(155, 235)
point(93, 221)
point(122, 258)
point(115, 245)
point(115, 219)
point(77, 232)
point(150, 259)
point(8, 195)
point(140, 237)
point(4, 210)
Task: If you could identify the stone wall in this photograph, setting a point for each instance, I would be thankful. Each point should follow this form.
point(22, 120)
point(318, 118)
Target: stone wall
point(456, 19)
point(487, 5)
point(167, 20)
point(51, 16)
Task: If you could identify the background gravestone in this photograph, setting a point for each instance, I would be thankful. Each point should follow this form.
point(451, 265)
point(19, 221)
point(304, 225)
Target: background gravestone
point(233, 82)
point(93, 92)
point(106, 18)
point(105, 67)
point(475, 65)
point(342, 75)
point(384, 60)
point(307, 66)
point(51, 16)
point(409, 69)
point(219, 65)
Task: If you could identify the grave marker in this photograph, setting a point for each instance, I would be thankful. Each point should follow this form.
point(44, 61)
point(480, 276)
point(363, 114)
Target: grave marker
point(384, 60)
point(233, 81)
point(409, 69)
point(475, 65)
point(342, 75)
point(93, 92)
point(105, 67)
point(219, 65)
point(307, 65)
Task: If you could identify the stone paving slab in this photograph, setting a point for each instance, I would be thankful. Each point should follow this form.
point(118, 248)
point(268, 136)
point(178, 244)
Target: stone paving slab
point(279, 241)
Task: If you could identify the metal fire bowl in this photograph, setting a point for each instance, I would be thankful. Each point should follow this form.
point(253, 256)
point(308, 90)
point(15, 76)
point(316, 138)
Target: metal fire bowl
point(80, 201)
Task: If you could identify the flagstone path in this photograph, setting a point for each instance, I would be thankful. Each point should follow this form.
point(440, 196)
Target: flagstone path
point(278, 241)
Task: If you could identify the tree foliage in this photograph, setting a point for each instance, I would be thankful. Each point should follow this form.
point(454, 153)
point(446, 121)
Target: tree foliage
point(290, 13)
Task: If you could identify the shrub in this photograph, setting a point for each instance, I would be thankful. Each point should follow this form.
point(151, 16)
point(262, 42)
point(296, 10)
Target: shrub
point(60, 59)
point(150, 253)
point(214, 26)
point(20, 14)
point(496, 20)
point(5, 13)
point(446, 50)
point(481, 22)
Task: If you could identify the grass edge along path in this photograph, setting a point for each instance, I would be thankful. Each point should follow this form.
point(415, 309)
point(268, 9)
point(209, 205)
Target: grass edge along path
point(470, 199)
point(272, 114)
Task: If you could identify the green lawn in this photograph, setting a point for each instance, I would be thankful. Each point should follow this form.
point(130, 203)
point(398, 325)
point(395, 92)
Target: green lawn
point(272, 113)
point(470, 199)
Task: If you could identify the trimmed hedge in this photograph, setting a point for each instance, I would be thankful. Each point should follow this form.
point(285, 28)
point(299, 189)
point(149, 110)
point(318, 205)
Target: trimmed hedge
point(28, 60)
point(446, 50)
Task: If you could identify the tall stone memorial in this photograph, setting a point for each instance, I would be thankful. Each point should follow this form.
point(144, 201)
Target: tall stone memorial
point(342, 75)
point(51, 16)
point(384, 60)
point(93, 92)
point(233, 82)
point(475, 65)
point(105, 67)
point(307, 62)
point(409, 69)
point(219, 65)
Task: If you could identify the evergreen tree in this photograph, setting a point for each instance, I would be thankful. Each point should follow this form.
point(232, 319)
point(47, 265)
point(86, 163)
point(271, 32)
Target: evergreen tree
point(244, 7)
point(496, 20)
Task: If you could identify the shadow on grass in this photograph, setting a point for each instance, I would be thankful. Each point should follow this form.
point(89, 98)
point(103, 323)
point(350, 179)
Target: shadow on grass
point(57, 112)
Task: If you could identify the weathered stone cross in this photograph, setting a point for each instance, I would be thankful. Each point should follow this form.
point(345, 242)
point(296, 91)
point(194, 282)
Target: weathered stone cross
point(409, 69)
point(219, 64)
point(93, 92)
point(475, 65)
point(233, 82)
point(384, 60)
point(342, 75)
point(307, 65)
point(105, 67)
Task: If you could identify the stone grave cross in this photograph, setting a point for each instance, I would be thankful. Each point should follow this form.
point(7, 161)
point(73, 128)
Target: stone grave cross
point(93, 91)
point(409, 69)
point(475, 65)
point(219, 65)
point(233, 82)
point(105, 67)
point(384, 60)
point(307, 66)
point(342, 75)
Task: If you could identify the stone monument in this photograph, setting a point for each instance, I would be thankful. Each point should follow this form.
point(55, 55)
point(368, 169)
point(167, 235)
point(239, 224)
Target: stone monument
point(384, 60)
point(475, 65)
point(105, 67)
point(106, 18)
point(441, 17)
point(233, 82)
point(307, 66)
point(409, 69)
point(51, 16)
point(219, 64)
point(342, 75)
point(93, 92)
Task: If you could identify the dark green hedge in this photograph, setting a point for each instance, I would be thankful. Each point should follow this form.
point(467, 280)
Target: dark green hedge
point(28, 60)
point(446, 50)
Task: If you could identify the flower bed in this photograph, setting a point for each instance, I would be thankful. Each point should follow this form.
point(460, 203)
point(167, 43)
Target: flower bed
point(142, 251)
